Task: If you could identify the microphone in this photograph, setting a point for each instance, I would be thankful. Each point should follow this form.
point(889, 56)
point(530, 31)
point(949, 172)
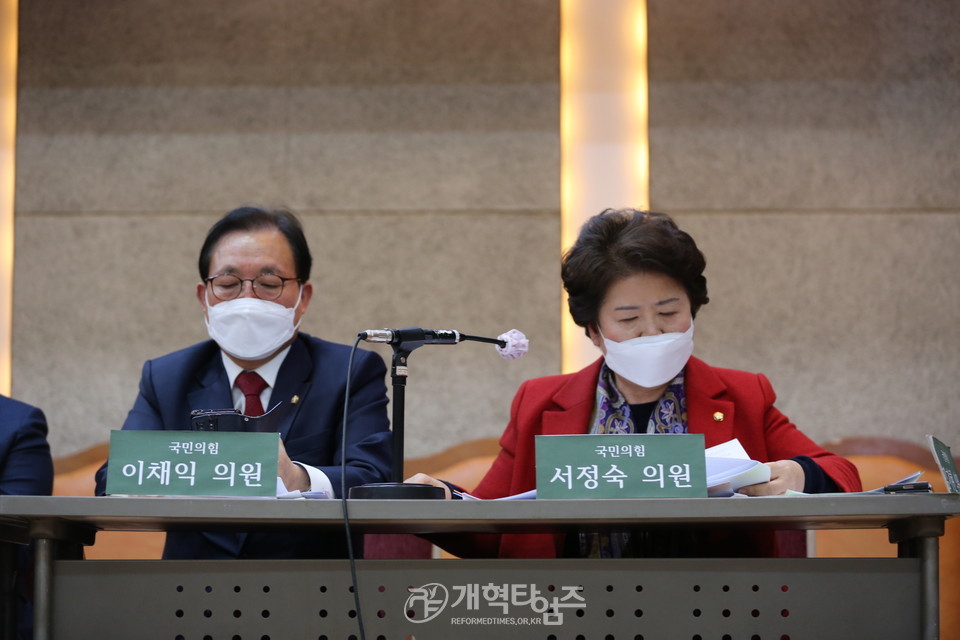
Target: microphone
point(510, 345)
point(413, 334)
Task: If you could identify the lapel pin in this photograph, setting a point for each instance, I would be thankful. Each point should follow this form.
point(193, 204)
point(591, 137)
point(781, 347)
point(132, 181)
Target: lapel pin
point(718, 416)
point(294, 399)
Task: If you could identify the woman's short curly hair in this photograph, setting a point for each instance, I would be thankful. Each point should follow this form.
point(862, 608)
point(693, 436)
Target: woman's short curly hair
point(617, 243)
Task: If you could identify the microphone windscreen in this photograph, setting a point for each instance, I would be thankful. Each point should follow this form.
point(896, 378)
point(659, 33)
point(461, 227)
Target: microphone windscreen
point(517, 345)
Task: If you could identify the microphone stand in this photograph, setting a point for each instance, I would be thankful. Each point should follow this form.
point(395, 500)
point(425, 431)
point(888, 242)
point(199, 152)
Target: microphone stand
point(397, 489)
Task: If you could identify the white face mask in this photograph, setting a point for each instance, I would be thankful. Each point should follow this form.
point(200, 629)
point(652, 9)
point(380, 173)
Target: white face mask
point(650, 361)
point(251, 328)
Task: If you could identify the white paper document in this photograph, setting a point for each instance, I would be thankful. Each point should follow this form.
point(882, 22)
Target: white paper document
point(526, 495)
point(729, 468)
point(913, 477)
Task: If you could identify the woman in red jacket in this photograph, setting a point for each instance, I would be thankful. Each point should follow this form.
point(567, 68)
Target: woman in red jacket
point(635, 283)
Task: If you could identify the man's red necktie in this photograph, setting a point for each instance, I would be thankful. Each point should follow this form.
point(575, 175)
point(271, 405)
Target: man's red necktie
point(251, 384)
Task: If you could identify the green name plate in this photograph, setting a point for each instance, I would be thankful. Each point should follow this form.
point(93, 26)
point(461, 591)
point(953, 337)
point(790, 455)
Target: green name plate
point(948, 468)
point(193, 463)
point(621, 466)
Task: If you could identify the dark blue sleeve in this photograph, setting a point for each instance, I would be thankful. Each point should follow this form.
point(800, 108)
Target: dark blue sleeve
point(455, 490)
point(143, 415)
point(369, 449)
point(26, 467)
point(815, 479)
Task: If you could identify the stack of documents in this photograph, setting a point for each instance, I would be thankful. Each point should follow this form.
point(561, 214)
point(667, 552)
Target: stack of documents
point(729, 468)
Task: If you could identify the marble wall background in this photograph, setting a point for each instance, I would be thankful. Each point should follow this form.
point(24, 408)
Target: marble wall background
point(417, 140)
point(810, 148)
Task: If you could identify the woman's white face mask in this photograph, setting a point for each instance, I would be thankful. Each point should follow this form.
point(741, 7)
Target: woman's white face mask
point(251, 328)
point(650, 361)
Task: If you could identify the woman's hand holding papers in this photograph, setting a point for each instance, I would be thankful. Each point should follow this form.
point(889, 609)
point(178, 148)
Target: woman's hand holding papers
point(785, 475)
point(422, 478)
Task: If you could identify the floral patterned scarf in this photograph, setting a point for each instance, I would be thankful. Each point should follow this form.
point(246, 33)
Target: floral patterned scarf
point(611, 414)
point(611, 411)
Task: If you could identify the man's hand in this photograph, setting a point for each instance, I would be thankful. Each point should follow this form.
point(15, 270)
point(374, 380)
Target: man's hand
point(784, 475)
point(295, 477)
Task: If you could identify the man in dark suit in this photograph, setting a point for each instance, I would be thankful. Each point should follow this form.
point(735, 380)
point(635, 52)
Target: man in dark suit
point(26, 469)
point(254, 290)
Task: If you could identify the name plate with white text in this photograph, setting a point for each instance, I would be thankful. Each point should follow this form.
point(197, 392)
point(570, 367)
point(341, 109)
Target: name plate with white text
point(193, 463)
point(621, 466)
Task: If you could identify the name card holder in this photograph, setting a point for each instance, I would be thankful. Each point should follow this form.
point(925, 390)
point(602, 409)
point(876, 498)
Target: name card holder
point(193, 463)
point(948, 468)
point(621, 466)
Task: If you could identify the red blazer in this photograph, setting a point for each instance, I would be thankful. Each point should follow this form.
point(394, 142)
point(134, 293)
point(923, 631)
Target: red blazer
point(722, 404)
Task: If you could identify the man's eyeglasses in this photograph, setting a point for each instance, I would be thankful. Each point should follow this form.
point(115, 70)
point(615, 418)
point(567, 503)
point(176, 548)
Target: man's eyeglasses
point(268, 286)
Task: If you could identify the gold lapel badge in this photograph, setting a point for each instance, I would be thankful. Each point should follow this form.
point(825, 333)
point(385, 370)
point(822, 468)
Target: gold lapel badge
point(296, 399)
point(718, 416)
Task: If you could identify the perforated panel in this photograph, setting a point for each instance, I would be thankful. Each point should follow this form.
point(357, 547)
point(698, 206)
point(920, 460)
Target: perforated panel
point(465, 600)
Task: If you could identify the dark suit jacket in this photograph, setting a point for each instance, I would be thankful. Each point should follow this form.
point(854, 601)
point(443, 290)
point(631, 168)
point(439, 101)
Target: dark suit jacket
point(25, 469)
point(25, 464)
point(315, 372)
